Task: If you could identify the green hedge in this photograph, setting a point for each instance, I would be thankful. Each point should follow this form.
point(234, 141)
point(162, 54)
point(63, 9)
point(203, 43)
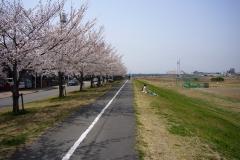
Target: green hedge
point(217, 79)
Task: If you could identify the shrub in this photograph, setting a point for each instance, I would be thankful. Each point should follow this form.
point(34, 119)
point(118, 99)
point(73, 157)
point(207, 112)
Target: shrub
point(195, 79)
point(217, 79)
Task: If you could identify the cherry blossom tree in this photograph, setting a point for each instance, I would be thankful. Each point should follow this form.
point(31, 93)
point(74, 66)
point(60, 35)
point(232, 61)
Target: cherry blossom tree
point(84, 56)
point(35, 39)
point(115, 67)
point(73, 33)
point(22, 33)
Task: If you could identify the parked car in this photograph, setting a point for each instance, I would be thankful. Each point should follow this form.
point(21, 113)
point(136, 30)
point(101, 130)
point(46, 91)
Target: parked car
point(9, 81)
point(73, 82)
point(2, 85)
point(110, 79)
point(21, 85)
point(95, 81)
point(28, 83)
point(5, 84)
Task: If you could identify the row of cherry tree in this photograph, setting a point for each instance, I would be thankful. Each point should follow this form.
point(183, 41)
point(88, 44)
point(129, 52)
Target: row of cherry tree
point(35, 39)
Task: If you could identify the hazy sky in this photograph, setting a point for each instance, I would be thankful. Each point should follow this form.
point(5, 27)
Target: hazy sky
point(153, 34)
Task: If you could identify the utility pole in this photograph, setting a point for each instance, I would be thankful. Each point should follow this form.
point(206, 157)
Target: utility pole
point(63, 20)
point(178, 68)
point(178, 74)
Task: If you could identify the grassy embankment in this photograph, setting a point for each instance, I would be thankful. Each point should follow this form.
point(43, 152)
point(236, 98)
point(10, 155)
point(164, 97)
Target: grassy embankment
point(186, 116)
point(18, 130)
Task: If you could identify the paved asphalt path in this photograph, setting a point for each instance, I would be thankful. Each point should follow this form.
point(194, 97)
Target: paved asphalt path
point(112, 138)
point(39, 95)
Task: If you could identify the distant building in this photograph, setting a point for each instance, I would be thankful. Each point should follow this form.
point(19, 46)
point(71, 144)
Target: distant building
point(172, 72)
point(231, 71)
point(214, 74)
point(199, 73)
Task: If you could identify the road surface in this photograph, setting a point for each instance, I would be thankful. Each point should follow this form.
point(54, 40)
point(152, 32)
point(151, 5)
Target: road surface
point(39, 95)
point(112, 136)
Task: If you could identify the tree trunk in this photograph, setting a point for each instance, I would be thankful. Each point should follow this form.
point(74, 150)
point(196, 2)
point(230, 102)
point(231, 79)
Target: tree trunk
point(92, 81)
point(81, 82)
point(106, 78)
point(15, 90)
point(99, 81)
point(103, 80)
point(60, 83)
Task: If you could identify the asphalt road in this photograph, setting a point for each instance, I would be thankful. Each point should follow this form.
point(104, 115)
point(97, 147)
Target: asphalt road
point(112, 137)
point(39, 95)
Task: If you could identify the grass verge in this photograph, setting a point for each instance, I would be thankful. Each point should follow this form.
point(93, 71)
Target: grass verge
point(189, 117)
point(141, 145)
point(22, 129)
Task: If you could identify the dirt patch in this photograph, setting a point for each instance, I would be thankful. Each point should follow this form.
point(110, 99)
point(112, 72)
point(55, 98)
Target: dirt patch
point(228, 92)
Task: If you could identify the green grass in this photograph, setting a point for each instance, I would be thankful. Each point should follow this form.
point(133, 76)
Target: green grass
point(189, 116)
point(16, 130)
point(15, 140)
point(179, 129)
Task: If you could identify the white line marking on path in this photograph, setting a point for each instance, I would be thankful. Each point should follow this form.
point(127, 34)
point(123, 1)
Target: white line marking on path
point(85, 133)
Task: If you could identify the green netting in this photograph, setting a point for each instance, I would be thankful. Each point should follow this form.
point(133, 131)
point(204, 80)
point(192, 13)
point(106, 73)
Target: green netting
point(189, 84)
